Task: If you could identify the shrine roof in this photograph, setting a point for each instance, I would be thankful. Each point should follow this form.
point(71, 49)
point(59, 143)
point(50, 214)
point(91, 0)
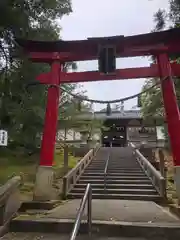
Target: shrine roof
point(126, 114)
point(91, 44)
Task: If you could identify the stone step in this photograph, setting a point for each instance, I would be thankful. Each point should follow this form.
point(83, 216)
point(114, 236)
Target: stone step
point(110, 169)
point(121, 158)
point(56, 236)
point(96, 173)
point(115, 177)
point(95, 170)
point(95, 167)
point(120, 167)
point(116, 171)
point(123, 161)
point(99, 172)
point(113, 174)
point(139, 197)
point(116, 186)
point(113, 181)
point(124, 168)
point(120, 170)
point(97, 164)
point(117, 191)
point(130, 168)
point(37, 235)
point(109, 229)
point(98, 161)
point(123, 164)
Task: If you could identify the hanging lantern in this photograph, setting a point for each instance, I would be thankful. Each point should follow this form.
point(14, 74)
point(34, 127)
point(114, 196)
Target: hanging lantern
point(108, 111)
point(91, 106)
point(79, 106)
point(122, 107)
point(139, 101)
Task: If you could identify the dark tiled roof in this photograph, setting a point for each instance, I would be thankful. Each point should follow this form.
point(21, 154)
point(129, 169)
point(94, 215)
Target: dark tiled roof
point(127, 114)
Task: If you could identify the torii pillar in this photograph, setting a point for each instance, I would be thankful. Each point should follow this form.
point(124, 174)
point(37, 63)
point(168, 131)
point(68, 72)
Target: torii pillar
point(45, 174)
point(172, 113)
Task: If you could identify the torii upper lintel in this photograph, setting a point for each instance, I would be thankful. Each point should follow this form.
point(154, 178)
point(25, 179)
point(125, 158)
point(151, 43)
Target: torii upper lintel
point(130, 46)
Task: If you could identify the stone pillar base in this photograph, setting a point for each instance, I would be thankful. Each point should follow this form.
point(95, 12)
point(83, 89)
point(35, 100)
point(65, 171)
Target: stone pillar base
point(43, 190)
point(177, 181)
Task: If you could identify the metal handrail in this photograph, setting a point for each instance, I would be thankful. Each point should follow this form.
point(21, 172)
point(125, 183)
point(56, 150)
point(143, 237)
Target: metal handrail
point(106, 167)
point(86, 198)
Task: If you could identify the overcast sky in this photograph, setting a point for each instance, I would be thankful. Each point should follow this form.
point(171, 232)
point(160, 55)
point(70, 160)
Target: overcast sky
point(98, 18)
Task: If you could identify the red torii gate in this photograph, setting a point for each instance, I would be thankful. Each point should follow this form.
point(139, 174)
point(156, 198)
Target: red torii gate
point(159, 44)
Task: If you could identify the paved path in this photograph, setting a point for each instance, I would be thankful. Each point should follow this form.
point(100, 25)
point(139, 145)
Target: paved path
point(41, 236)
point(104, 210)
point(117, 210)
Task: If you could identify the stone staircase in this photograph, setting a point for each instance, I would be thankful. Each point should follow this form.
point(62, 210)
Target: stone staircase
point(125, 179)
point(111, 219)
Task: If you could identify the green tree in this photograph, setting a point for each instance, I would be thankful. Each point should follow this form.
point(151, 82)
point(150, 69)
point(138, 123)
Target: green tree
point(22, 109)
point(152, 102)
point(76, 121)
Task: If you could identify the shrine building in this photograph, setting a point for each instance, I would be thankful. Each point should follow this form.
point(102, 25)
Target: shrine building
point(121, 127)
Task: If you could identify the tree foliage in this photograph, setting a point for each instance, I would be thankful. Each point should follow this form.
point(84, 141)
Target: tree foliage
point(70, 117)
point(22, 109)
point(152, 102)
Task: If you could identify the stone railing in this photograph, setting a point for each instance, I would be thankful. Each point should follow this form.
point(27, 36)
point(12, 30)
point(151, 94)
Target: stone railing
point(9, 199)
point(150, 143)
point(155, 176)
point(70, 179)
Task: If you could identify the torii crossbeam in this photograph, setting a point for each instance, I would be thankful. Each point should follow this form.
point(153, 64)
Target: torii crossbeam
point(161, 45)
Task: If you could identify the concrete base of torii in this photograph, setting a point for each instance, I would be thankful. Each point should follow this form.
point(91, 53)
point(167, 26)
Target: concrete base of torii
point(43, 190)
point(177, 181)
